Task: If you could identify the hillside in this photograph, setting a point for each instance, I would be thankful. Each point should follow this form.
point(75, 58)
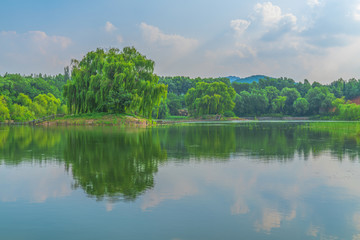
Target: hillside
point(254, 78)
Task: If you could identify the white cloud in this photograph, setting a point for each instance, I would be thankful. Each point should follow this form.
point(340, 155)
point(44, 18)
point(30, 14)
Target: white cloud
point(336, 62)
point(33, 52)
point(43, 41)
point(240, 25)
point(313, 3)
point(272, 15)
point(119, 39)
point(3, 33)
point(313, 231)
point(179, 44)
point(356, 237)
point(356, 13)
point(171, 185)
point(241, 48)
point(271, 219)
point(109, 27)
point(34, 184)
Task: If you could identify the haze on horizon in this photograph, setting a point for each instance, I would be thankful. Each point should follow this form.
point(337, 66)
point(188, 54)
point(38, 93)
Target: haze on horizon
point(311, 39)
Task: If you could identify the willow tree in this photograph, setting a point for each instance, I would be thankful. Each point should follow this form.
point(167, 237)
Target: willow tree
point(210, 98)
point(114, 81)
point(4, 110)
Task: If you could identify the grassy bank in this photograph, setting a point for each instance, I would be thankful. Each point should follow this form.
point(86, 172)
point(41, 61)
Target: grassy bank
point(101, 119)
point(342, 128)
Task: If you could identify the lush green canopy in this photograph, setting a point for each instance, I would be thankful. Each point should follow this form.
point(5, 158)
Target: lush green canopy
point(210, 98)
point(114, 81)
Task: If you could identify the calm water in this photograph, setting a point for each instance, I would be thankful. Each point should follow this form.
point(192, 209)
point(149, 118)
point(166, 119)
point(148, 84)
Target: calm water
point(201, 181)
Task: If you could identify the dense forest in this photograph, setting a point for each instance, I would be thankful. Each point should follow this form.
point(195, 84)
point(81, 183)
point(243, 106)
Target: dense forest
point(115, 81)
point(24, 98)
point(267, 97)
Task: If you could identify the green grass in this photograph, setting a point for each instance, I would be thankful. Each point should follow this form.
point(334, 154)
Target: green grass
point(97, 116)
point(176, 117)
point(348, 128)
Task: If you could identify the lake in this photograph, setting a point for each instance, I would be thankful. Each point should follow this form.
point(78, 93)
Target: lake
point(234, 180)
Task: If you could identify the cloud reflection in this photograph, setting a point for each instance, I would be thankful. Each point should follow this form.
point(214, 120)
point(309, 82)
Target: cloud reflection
point(33, 184)
point(270, 194)
point(171, 185)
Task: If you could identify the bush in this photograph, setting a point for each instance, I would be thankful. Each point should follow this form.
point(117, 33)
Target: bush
point(229, 114)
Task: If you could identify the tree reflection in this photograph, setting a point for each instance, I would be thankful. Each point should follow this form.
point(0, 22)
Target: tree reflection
point(24, 143)
point(258, 140)
point(114, 164)
point(121, 163)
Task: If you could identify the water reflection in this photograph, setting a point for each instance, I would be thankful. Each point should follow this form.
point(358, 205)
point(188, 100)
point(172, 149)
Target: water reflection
point(110, 162)
point(113, 164)
point(23, 143)
point(270, 179)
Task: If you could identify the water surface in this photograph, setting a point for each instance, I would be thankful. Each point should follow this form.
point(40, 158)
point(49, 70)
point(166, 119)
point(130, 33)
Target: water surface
point(199, 181)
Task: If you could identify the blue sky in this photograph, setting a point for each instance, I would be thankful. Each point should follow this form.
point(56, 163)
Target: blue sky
point(314, 39)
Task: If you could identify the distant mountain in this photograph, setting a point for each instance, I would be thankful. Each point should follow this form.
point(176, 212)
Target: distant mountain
point(250, 79)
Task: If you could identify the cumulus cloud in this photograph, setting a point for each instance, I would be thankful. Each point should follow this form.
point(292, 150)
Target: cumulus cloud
point(313, 3)
point(119, 39)
point(336, 62)
point(277, 44)
point(34, 184)
point(272, 32)
point(32, 52)
point(179, 44)
point(356, 13)
point(171, 186)
point(272, 15)
point(44, 42)
point(239, 25)
point(109, 27)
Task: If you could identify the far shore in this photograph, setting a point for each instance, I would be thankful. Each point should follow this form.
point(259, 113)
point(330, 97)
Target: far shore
point(122, 120)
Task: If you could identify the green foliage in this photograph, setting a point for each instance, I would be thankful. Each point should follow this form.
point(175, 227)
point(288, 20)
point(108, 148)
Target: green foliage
point(349, 111)
point(320, 100)
point(210, 98)
point(254, 103)
point(4, 110)
point(21, 113)
point(161, 111)
point(242, 104)
point(30, 97)
point(114, 81)
point(117, 100)
point(279, 83)
point(25, 109)
point(278, 104)
point(314, 97)
point(174, 103)
point(269, 96)
point(178, 85)
point(239, 87)
point(303, 88)
point(271, 93)
point(291, 95)
point(11, 85)
point(301, 106)
point(47, 104)
point(336, 104)
point(229, 114)
point(24, 100)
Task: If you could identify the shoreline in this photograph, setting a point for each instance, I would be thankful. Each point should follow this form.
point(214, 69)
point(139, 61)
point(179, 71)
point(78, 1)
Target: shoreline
point(136, 121)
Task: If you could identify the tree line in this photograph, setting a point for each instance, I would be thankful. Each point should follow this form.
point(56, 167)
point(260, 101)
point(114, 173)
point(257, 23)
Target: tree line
point(123, 81)
point(24, 98)
point(268, 97)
